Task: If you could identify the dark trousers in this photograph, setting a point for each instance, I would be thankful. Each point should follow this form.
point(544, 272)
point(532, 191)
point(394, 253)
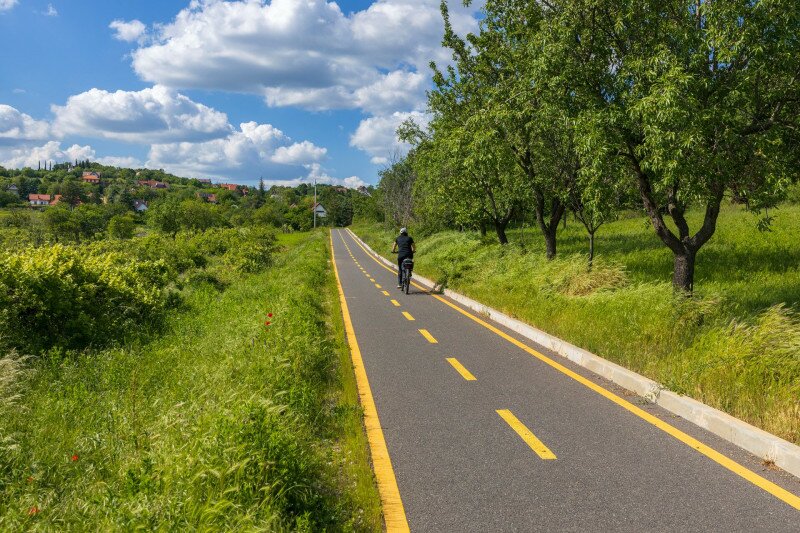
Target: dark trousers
point(400, 259)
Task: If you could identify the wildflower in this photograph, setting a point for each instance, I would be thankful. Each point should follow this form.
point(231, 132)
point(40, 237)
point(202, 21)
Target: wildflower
point(74, 457)
point(33, 510)
point(269, 315)
point(30, 479)
point(267, 323)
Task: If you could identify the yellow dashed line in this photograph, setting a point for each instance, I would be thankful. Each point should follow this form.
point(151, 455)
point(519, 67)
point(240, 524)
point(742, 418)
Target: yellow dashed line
point(428, 336)
point(385, 293)
point(526, 434)
point(395, 303)
point(466, 374)
point(408, 315)
point(378, 286)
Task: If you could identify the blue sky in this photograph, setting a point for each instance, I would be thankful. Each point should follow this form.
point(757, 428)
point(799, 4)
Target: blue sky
point(292, 90)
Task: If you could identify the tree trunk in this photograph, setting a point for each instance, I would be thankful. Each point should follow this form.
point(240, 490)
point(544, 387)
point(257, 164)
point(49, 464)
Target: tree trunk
point(483, 228)
point(500, 228)
point(591, 248)
point(550, 243)
point(683, 276)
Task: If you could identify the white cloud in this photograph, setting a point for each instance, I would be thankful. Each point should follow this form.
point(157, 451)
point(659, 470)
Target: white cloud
point(128, 31)
point(51, 151)
point(377, 136)
point(5, 5)
point(120, 161)
point(17, 127)
point(298, 153)
point(253, 150)
point(19, 91)
point(154, 115)
point(51, 11)
point(354, 182)
point(306, 54)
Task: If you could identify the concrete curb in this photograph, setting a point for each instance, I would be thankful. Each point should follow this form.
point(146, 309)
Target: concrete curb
point(756, 441)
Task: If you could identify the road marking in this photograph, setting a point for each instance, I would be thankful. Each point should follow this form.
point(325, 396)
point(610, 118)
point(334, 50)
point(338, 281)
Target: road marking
point(378, 286)
point(385, 293)
point(393, 512)
point(428, 336)
point(372, 280)
point(724, 461)
point(527, 435)
point(408, 315)
point(395, 303)
point(466, 374)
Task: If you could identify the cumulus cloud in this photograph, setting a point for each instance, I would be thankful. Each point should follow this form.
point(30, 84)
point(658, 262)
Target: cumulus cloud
point(377, 136)
point(253, 150)
point(128, 31)
point(51, 11)
point(50, 151)
point(17, 127)
point(298, 153)
point(120, 161)
point(154, 115)
point(307, 54)
point(5, 5)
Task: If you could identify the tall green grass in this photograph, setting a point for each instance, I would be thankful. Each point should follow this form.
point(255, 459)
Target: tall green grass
point(735, 345)
point(222, 423)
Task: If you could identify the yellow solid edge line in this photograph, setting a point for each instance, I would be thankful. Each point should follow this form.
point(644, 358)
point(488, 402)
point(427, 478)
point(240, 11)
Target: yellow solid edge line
point(395, 303)
point(779, 492)
point(385, 293)
point(526, 434)
point(393, 512)
point(461, 369)
point(427, 335)
point(408, 316)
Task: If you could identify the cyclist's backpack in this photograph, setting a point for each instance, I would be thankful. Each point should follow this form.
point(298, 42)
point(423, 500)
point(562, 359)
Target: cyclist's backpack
point(408, 263)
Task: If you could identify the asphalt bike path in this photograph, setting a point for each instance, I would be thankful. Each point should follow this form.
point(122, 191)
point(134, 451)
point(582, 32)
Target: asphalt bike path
point(483, 436)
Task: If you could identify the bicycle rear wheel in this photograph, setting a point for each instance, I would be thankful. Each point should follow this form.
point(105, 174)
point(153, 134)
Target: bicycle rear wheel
point(407, 281)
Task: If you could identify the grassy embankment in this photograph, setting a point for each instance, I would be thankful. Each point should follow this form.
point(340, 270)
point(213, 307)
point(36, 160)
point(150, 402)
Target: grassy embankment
point(219, 423)
point(735, 346)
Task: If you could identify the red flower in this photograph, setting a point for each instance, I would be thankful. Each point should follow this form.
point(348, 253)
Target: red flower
point(74, 457)
point(267, 323)
point(269, 315)
point(30, 479)
point(33, 510)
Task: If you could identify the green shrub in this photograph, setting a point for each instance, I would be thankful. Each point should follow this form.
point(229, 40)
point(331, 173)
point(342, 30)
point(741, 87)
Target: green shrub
point(61, 296)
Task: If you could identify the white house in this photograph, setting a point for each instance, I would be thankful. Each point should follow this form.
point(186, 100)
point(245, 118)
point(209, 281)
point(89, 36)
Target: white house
point(320, 211)
point(39, 199)
point(140, 206)
point(13, 189)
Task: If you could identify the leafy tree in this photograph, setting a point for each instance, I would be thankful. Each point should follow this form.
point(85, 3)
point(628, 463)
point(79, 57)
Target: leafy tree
point(62, 224)
point(165, 216)
point(72, 193)
point(121, 226)
point(694, 97)
point(396, 188)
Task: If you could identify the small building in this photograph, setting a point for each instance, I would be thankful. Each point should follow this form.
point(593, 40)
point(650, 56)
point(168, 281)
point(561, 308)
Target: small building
point(320, 211)
point(56, 199)
point(208, 197)
point(363, 190)
point(13, 189)
point(91, 177)
point(228, 186)
point(38, 200)
point(204, 180)
point(153, 184)
point(140, 206)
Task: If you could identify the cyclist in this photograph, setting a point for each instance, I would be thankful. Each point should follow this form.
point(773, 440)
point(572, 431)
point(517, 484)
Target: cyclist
point(404, 247)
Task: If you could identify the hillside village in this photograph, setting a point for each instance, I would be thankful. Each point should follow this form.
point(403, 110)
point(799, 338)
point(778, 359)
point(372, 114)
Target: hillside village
point(61, 197)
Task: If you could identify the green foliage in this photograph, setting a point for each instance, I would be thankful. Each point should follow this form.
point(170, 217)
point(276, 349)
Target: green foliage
point(220, 424)
point(121, 226)
point(55, 296)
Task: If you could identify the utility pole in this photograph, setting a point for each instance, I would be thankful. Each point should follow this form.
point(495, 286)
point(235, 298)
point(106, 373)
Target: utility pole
point(315, 203)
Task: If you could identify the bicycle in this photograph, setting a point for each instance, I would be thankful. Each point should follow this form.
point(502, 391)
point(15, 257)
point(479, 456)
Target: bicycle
point(408, 267)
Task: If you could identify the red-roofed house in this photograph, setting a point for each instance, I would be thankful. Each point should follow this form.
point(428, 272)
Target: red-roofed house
point(229, 186)
point(39, 199)
point(153, 184)
point(55, 200)
point(208, 197)
point(91, 177)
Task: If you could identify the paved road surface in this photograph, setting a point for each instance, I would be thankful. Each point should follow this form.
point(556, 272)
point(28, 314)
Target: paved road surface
point(482, 436)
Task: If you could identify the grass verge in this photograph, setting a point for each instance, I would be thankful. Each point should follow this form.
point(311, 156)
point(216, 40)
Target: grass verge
point(734, 346)
point(222, 423)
